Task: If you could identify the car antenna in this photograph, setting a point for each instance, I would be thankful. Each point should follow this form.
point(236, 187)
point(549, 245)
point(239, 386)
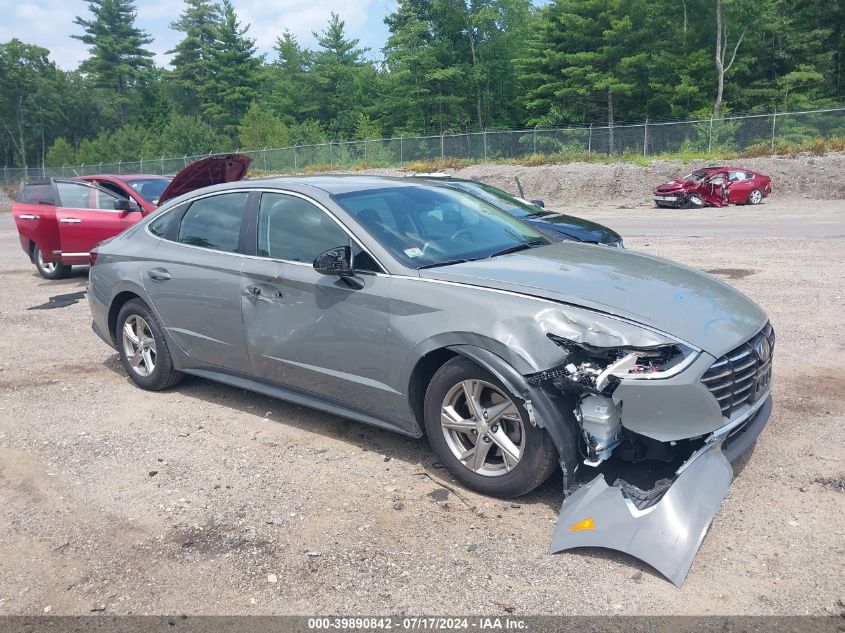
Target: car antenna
point(519, 187)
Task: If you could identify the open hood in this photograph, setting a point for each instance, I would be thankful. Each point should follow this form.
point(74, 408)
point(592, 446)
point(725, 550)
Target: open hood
point(205, 172)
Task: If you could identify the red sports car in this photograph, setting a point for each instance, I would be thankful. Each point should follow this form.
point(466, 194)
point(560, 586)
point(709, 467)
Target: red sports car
point(714, 186)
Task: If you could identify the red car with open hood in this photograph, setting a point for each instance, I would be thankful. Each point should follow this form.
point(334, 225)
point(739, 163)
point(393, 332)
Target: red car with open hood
point(59, 221)
point(714, 186)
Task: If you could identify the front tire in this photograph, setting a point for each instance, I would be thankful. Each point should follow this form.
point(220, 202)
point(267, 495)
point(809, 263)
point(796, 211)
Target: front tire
point(143, 348)
point(48, 270)
point(755, 197)
point(482, 433)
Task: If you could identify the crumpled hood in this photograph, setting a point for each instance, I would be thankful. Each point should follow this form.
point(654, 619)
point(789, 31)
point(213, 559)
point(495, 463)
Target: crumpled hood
point(656, 292)
point(577, 228)
point(675, 185)
point(205, 172)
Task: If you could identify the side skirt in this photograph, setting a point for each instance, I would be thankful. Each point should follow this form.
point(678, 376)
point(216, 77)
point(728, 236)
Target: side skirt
point(296, 396)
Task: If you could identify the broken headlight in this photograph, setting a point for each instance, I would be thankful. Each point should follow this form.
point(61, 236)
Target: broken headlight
point(599, 370)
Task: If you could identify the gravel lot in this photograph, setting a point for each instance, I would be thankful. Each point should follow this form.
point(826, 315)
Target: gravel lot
point(209, 499)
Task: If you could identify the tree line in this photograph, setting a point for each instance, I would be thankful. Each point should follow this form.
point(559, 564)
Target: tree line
point(447, 66)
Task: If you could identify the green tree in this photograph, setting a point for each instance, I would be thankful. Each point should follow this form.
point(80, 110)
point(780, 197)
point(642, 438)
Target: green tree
point(284, 85)
point(189, 135)
point(232, 80)
point(30, 101)
point(341, 77)
point(118, 57)
point(261, 128)
point(60, 153)
point(200, 22)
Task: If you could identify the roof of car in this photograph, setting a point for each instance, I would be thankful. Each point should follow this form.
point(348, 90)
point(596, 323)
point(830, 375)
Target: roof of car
point(125, 177)
point(339, 184)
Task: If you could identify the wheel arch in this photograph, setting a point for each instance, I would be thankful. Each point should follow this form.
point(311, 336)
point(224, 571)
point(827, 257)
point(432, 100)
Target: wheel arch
point(117, 303)
point(545, 410)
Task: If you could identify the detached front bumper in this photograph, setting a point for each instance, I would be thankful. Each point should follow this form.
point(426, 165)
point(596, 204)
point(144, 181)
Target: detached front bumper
point(667, 534)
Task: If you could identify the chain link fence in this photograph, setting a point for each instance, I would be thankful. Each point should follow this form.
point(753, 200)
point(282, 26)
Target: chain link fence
point(759, 134)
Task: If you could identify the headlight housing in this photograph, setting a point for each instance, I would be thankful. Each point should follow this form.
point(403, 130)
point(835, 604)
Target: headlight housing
point(600, 369)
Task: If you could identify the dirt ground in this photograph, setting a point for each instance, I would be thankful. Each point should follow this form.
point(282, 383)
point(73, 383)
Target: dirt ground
point(209, 499)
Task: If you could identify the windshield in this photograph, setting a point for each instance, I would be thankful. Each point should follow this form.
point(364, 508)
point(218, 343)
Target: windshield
point(697, 176)
point(427, 226)
point(502, 199)
point(150, 189)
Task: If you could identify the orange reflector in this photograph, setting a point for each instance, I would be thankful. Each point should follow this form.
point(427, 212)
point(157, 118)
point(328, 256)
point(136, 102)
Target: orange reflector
point(586, 524)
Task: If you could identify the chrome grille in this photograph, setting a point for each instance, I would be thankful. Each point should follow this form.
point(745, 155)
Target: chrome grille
point(743, 374)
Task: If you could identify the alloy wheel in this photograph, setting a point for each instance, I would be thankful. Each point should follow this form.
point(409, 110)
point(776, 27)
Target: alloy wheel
point(48, 267)
point(483, 428)
point(139, 345)
point(756, 197)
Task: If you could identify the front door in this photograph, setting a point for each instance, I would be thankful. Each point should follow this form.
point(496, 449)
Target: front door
point(740, 185)
point(311, 331)
point(86, 216)
point(193, 279)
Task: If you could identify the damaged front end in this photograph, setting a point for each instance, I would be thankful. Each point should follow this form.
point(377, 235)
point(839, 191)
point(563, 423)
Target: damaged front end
point(667, 483)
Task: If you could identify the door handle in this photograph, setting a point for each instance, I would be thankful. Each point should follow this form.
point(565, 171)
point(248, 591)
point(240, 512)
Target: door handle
point(159, 274)
point(256, 291)
point(27, 216)
point(70, 220)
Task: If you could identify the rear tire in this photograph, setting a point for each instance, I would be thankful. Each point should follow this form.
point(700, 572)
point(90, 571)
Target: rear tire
point(48, 270)
point(755, 197)
point(517, 456)
point(143, 349)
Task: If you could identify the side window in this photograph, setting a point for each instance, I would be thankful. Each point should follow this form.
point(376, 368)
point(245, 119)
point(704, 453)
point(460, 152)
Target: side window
point(36, 193)
point(104, 200)
point(73, 195)
point(293, 229)
point(160, 226)
point(214, 222)
point(110, 186)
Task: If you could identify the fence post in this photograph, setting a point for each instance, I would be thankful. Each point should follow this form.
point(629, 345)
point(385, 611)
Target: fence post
point(162, 165)
point(401, 150)
point(5, 174)
point(534, 138)
point(710, 136)
point(590, 141)
point(185, 160)
point(265, 160)
point(142, 165)
point(774, 122)
point(645, 138)
point(331, 153)
point(365, 151)
point(485, 145)
point(294, 157)
point(442, 136)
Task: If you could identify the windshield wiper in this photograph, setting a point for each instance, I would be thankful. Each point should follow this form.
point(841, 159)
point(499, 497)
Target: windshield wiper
point(446, 263)
point(516, 249)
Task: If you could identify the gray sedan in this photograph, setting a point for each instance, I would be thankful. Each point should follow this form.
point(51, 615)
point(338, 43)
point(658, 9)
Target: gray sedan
point(421, 309)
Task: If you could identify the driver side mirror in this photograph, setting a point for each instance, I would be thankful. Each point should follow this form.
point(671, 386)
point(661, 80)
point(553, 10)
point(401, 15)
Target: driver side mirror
point(126, 205)
point(338, 261)
point(539, 203)
point(335, 261)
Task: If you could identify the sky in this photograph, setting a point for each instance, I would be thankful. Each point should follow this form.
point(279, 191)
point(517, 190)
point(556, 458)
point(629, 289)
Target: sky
point(49, 23)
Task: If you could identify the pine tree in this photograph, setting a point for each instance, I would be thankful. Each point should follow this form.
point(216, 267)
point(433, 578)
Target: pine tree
point(233, 73)
point(118, 57)
point(199, 22)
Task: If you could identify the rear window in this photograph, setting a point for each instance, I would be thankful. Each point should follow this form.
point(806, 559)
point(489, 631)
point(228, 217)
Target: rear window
point(35, 193)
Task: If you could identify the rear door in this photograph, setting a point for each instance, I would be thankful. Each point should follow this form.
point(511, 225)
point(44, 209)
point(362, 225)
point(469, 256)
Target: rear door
point(34, 210)
point(193, 279)
point(87, 215)
point(740, 184)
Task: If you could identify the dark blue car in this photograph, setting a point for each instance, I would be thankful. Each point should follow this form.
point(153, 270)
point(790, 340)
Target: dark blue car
point(553, 224)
